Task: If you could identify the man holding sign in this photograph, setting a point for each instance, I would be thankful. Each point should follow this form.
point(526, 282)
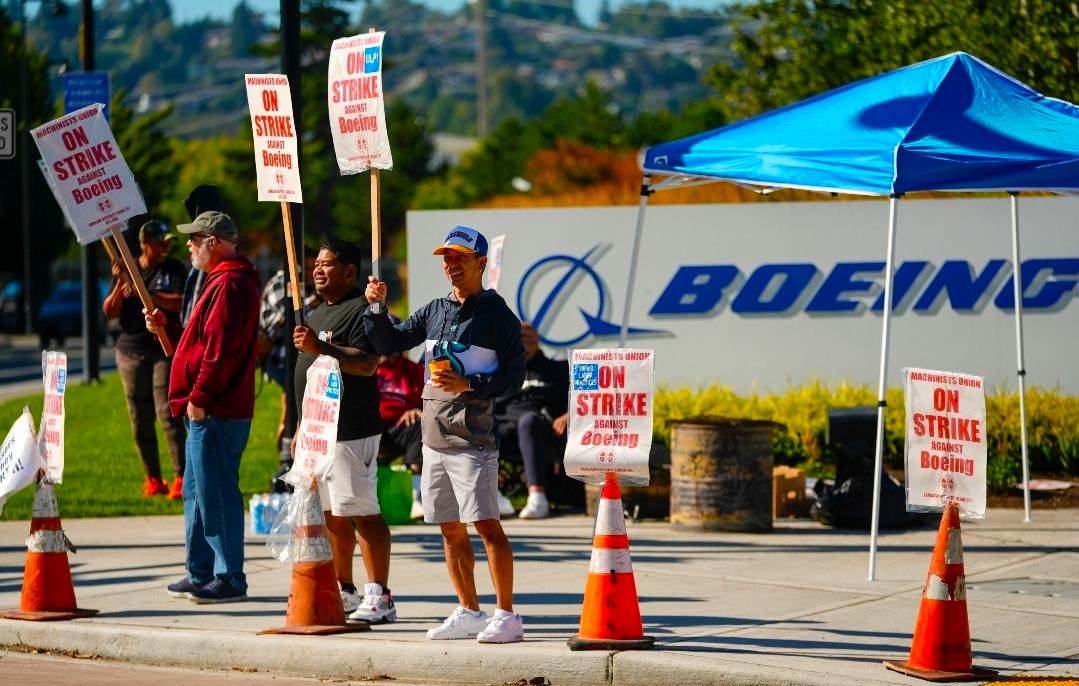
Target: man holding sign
point(212, 385)
point(474, 353)
point(350, 493)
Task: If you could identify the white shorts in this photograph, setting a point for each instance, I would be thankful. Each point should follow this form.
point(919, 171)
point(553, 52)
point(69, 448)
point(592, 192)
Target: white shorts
point(459, 486)
point(351, 488)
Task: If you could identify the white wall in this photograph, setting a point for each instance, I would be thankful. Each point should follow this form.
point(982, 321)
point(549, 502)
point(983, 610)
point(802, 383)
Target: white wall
point(770, 351)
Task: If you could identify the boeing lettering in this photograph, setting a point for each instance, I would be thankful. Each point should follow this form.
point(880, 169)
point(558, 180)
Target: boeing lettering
point(783, 289)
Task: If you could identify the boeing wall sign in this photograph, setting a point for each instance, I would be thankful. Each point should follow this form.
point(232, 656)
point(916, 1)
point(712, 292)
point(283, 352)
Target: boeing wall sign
point(764, 295)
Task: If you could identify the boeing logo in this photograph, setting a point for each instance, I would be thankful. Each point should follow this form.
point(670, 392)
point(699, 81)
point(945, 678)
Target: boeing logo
point(786, 289)
point(553, 281)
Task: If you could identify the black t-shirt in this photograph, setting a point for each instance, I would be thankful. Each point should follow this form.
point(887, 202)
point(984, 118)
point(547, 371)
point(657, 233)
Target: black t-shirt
point(167, 277)
point(342, 325)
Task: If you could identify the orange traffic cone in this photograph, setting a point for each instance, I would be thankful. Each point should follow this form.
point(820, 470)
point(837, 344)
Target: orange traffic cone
point(611, 617)
point(941, 647)
point(47, 590)
point(314, 601)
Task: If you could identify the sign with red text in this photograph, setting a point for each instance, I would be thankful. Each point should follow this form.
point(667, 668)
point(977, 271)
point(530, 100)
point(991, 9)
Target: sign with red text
point(610, 414)
point(357, 111)
point(945, 446)
point(277, 166)
point(87, 172)
point(50, 437)
point(494, 261)
point(19, 457)
point(316, 439)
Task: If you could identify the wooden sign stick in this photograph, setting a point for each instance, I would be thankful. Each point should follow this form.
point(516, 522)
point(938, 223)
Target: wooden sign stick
point(136, 281)
point(115, 258)
point(376, 226)
point(290, 255)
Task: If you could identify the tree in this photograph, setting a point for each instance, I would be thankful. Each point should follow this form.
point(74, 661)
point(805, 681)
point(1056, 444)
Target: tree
point(789, 50)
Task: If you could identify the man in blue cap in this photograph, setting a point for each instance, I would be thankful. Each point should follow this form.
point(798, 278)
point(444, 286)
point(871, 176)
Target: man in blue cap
point(473, 346)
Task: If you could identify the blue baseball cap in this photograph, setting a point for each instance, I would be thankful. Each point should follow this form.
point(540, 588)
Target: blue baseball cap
point(463, 239)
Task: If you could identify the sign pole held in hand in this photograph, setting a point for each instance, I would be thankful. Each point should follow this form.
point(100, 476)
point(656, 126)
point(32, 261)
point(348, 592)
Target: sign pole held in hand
point(93, 184)
point(358, 121)
point(140, 287)
point(276, 159)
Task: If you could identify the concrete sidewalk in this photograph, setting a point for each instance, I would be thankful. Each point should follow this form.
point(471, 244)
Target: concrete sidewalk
point(789, 607)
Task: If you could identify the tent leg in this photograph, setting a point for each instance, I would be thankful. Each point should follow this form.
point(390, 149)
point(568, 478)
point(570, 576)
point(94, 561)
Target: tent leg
point(1017, 279)
point(646, 190)
point(882, 388)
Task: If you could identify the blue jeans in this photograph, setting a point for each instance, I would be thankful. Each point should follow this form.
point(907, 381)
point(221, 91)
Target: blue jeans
point(213, 504)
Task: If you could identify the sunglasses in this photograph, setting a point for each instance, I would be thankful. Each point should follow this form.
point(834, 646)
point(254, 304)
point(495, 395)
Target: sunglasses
point(197, 237)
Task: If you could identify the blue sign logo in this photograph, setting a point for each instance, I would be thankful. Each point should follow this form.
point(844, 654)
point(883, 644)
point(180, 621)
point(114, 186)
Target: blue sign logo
point(578, 274)
point(61, 380)
point(333, 386)
point(586, 377)
point(372, 60)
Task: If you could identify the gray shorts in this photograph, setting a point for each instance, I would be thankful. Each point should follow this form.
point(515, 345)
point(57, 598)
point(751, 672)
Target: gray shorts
point(351, 489)
point(459, 486)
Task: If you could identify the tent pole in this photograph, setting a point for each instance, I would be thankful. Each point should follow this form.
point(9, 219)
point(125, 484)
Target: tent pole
point(1017, 278)
point(646, 190)
point(882, 387)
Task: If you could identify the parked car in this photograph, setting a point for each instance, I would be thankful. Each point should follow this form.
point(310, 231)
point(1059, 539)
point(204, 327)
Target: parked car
point(12, 317)
point(60, 316)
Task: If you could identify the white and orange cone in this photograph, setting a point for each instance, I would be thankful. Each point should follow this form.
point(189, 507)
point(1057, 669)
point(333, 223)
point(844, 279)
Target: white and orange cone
point(314, 600)
point(940, 650)
point(47, 590)
point(611, 616)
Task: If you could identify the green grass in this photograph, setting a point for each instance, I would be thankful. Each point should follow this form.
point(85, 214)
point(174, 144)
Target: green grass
point(102, 472)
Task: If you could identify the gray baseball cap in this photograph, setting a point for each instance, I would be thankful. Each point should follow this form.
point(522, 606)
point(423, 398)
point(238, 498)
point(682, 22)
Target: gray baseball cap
point(212, 223)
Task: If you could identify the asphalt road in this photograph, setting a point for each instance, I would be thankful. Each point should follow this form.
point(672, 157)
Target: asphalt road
point(20, 363)
point(37, 669)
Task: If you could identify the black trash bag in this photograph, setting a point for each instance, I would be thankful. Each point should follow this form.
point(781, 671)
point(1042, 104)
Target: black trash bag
point(849, 505)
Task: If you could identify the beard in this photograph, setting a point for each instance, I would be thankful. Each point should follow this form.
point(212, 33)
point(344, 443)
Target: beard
point(199, 259)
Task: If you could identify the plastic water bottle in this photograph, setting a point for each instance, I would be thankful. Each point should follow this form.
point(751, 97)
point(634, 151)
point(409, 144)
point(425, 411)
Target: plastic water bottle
point(258, 506)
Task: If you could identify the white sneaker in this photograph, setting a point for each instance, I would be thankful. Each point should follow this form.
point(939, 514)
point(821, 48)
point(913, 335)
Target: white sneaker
point(504, 627)
point(417, 510)
point(462, 623)
point(350, 600)
point(505, 507)
point(537, 507)
point(377, 606)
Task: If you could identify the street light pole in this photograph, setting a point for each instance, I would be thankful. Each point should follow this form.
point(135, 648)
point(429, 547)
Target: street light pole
point(24, 161)
point(91, 348)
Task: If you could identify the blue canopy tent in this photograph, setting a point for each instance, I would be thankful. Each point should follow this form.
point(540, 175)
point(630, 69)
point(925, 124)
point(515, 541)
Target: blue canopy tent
point(953, 123)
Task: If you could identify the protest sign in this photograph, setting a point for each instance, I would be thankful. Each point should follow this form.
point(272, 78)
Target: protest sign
point(358, 122)
point(50, 438)
point(316, 439)
point(88, 174)
point(277, 168)
point(19, 457)
point(945, 441)
point(610, 414)
point(494, 261)
point(355, 100)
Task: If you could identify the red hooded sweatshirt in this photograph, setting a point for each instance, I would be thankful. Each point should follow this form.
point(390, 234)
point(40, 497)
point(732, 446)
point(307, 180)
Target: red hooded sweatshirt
point(214, 364)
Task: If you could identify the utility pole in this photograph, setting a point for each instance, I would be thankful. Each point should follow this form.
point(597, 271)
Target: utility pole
point(91, 304)
point(24, 148)
point(290, 64)
point(481, 69)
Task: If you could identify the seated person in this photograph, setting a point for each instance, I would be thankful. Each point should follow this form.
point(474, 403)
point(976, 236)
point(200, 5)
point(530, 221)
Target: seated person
point(400, 384)
point(532, 417)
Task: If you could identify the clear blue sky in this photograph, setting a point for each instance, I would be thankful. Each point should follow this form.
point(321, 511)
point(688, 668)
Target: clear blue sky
point(186, 10)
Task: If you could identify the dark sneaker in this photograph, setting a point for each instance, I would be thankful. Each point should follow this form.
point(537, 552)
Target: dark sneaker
point(182, 588)
point(217, 591)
